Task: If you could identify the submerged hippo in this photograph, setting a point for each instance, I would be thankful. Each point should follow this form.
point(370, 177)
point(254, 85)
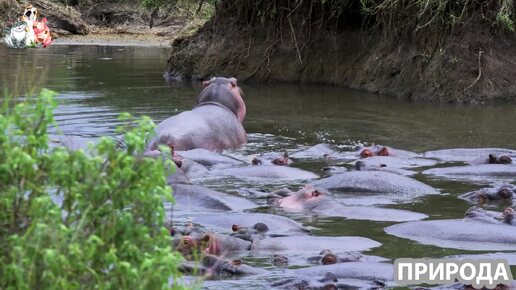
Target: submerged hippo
point(302, 244)
point(470, 155)
point(216, 267)
point(210, 244)
point(208, 158)
point(215, 123)
point(266, 172)
point(379, 150)
point(327, 257)
point(479, 230)
point(272, 158)
point(504, 193)
point(350, 275)
point(315, 200)
point(480, 173)
point(277, 225)
point(374, 182)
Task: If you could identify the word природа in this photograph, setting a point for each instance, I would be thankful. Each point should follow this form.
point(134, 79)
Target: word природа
point(479, 273)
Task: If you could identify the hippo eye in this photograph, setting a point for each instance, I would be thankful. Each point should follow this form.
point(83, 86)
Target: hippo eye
point(236, 262)
point(383, 151)
point(316, 193)
point(235, 228)
point(256, 161)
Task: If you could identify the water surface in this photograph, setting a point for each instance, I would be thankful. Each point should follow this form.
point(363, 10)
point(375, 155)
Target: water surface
point(96, 84)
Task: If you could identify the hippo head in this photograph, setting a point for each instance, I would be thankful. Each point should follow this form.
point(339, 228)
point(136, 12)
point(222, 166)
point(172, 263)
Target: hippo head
point(504, 193)
point(224, 92)
point(210, 244)
point(272, 159)
point(302, 198)
point(505, 160)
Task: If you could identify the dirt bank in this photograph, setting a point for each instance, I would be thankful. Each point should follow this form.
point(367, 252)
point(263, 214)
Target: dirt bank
point(117, 23)
point(472, 63)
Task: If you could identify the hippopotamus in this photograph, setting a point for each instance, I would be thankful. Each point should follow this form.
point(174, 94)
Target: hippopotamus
point(504, 193)
point(468, 155)
point(374, 182)
point(476, 173)
point(349, 275)
point(479, 230)
point(190, 197)
point(327, 257)
point(214, 123)
point(395, 162)
point(317, 201)
point(360, 165)
point(266, 172)
point(379, 150)
point(302, 244)
point(318, 151)
point(208, 158)
point(216, 267)
point(277, 225)
point(249, 233)
point(209, 243)
point(272, 158)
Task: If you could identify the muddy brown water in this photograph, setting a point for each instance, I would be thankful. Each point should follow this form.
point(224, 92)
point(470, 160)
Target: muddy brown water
point(97, 83)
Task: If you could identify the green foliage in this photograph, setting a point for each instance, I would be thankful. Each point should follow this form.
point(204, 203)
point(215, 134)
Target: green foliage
point(77, 220)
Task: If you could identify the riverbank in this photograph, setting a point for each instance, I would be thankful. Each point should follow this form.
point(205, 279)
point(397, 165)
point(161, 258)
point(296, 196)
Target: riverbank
point(410, 53)
point(114, 23)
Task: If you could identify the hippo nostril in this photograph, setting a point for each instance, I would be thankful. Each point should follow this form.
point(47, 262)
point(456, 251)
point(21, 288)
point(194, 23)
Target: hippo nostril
point(256, 161)
point(261, 227)
point(235, 228)
point(28, 13)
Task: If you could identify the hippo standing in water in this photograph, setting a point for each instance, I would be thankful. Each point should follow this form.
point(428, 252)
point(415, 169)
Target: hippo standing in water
point(215, 122)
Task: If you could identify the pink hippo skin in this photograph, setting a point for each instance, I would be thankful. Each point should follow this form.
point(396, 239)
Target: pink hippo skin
point(214, 123)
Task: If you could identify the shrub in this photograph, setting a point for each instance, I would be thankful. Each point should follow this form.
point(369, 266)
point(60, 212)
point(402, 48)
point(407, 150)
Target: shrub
point(71, 219)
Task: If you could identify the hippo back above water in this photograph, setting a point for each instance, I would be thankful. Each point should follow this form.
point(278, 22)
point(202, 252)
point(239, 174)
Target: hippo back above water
point(214, 123)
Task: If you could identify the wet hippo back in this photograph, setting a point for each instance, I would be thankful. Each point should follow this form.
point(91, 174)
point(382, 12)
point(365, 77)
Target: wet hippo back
point(215, 122)
point(211, 127)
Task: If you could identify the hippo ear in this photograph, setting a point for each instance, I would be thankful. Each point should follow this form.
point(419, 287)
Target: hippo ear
point(286, 154)
point(233, 82)
point(206, 83)
point(44, 20)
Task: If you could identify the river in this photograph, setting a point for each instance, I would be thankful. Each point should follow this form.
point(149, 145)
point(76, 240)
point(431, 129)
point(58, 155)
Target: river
point(97, 83)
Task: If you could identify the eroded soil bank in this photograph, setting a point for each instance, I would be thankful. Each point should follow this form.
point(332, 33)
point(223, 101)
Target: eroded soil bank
point(473, 62)
point(111, 23)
